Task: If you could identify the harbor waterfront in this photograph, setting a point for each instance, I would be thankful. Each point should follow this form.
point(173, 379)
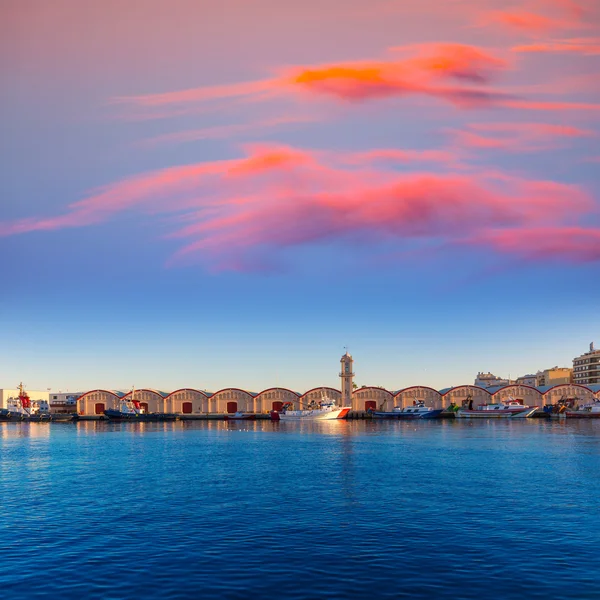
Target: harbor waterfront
point(342, 509)
point(356, 401)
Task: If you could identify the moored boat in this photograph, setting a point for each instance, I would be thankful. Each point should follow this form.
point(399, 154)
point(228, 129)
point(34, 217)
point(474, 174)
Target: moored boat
point(132, 410)
point(417, 411)
point(588, 411)
point(240, 416)
point(23, 408)
point(325, 410)
point(502, 410)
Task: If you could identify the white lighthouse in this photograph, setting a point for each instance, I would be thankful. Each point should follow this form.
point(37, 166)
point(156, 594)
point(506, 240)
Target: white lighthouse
point(347, 377)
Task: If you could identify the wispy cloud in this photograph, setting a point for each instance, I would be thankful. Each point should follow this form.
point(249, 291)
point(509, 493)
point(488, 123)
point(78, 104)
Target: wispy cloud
point(238, 213)
point(524, 21)
point(581, 46)
point(460, 75)
point(455, 73)
point(572, 244)
point(226, 131)
point(518, 137)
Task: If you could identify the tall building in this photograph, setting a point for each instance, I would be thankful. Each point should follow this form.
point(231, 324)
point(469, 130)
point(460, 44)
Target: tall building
point(586, 368)
point(347, 377)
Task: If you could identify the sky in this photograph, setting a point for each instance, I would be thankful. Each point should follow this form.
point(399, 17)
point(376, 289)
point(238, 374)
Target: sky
point(229, 194)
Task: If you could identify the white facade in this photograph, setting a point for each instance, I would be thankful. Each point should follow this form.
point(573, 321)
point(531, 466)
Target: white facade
point(34, 395)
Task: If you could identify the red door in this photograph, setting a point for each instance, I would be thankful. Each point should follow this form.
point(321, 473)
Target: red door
point(99, 408)
point(370, 404)
point(186, 408)
point(278, 406)
point(144, 406)
point(232, 407)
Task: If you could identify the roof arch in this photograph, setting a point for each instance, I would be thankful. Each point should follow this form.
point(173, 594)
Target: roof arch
point(157, 392)
point(515, 385)
point(461, 387)
point(188, 390)
point(101, 391)
point(559, 385)
point(322, 387)
point(372, 387)
point(413, 387)
point(278, 388)
point(233, 389)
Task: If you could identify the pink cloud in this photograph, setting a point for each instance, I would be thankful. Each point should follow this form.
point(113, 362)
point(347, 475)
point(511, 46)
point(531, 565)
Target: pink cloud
point(204, 94)
point(395, 155)
point(454, 73)
point(575, 9)
point(518, 137)
point(438, 70)
point(571, 244)
point(525, 21)
point(550, 105)
point(279, 197)
point(581, 46)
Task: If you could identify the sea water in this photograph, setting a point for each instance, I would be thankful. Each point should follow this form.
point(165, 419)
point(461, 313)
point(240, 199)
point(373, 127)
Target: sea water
point(358, 509)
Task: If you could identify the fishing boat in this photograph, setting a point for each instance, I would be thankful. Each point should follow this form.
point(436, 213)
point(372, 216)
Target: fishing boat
point(510, 408)
point(132, 410)
point(23, 408)
point(417, 411)
point(588, 411)
point(325, 410)
point(240, 416)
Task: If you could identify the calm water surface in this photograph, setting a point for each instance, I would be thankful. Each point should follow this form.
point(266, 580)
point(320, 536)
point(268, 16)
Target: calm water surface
point(447, 509)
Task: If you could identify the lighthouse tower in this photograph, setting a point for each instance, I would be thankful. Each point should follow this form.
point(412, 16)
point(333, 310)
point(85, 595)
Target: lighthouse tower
point(347, 377)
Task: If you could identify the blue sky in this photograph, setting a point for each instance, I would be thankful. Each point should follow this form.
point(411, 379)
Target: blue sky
point(420, 187)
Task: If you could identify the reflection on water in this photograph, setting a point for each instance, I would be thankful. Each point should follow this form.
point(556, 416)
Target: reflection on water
point(216, 509)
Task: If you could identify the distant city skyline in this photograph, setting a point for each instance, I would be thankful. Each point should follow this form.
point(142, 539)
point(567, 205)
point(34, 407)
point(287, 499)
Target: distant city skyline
point(227, 195)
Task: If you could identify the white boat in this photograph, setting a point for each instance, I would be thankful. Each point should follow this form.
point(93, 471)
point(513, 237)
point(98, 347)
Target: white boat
point(502, 410)
point(325, 410)
point(23, 408)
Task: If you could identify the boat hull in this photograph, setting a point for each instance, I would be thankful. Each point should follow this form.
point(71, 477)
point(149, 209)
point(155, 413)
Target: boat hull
point(495, 414)
point(315, 415)
point(579, 414)
point(117, 415)
point(432, 414)
point(245, 417)
point(6, 415)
